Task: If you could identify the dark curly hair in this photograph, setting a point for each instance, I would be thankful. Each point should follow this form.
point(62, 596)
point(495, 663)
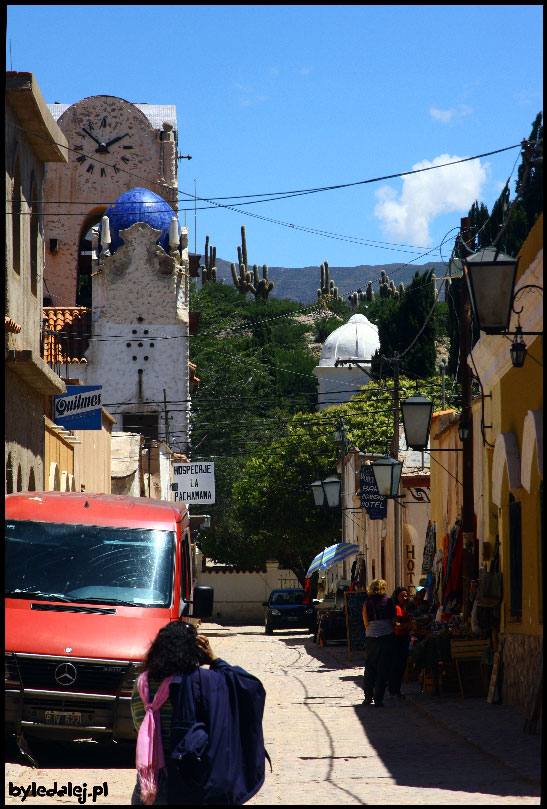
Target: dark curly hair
point(173, 649)
point(397, 591)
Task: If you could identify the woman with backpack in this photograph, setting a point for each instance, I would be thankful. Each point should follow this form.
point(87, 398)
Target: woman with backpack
point(191, 722)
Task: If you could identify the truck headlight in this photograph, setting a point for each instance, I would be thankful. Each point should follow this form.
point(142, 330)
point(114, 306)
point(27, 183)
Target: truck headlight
point(275, 612)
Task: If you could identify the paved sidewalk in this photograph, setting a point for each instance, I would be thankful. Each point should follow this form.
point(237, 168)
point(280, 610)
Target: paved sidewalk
point(496, 730)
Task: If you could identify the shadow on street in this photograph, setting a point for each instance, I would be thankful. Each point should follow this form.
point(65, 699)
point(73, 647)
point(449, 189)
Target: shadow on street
point(84, 754)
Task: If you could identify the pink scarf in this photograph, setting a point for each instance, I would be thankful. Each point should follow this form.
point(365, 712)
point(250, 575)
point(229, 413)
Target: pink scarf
point(150, 758)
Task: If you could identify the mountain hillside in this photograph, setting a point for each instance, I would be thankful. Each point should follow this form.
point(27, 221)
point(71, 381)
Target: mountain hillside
point(301, 283)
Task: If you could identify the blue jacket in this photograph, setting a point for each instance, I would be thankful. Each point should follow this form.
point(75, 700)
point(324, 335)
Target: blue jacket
point(230, 703)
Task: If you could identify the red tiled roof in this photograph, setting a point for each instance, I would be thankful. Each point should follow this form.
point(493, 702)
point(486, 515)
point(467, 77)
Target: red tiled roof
point(72, 327)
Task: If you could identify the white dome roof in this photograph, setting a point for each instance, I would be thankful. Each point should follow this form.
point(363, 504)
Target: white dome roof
point(358, 339)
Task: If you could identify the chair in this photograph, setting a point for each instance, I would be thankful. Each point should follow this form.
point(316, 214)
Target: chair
point(464, 651)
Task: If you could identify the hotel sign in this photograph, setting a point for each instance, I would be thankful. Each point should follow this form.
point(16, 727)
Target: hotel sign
point(194, 483)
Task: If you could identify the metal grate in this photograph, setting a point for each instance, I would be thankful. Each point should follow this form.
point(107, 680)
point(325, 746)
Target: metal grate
point(72, 675)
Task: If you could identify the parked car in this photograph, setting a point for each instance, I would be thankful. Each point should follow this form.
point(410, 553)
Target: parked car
point(284, 609)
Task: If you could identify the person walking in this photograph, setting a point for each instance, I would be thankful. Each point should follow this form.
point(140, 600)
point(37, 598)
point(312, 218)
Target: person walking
point(379, 619)
point(177, 702)
point(401, 641)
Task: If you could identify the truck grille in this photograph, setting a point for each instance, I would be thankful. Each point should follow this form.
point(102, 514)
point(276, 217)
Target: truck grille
point(63, 673)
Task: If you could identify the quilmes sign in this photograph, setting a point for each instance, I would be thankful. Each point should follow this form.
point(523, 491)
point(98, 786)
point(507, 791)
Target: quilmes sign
point(375, 504)
point(80, 408)
point(194, 482)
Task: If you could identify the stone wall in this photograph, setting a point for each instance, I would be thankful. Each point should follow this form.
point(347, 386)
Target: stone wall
point(522, 654)
point(24, 436)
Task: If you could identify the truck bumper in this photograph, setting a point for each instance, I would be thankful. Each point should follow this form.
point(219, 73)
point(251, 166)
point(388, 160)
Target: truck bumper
point(68, 715)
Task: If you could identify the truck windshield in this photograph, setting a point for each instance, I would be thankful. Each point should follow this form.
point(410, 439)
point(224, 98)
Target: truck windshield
point(98, 564)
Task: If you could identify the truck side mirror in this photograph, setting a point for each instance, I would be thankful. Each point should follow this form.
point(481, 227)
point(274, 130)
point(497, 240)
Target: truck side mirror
point(202, 603)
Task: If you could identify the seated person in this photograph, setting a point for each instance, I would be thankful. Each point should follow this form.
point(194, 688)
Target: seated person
point(418, 604)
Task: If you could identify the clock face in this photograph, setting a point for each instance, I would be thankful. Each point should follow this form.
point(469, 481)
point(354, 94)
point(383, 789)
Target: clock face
point(104, 147)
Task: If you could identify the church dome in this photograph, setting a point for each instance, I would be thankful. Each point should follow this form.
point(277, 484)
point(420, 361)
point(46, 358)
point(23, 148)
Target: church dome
point(139, 205)
point(358, 339)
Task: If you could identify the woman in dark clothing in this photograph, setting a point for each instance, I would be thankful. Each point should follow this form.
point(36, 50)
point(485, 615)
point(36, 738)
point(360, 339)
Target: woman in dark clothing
point(379, 619)
point(229, 703)
point(403, 625)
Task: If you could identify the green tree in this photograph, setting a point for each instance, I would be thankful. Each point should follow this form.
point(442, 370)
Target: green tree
point(273, 503)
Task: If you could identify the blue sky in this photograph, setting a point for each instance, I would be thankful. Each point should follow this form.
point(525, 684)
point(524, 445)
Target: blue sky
point(281, 98)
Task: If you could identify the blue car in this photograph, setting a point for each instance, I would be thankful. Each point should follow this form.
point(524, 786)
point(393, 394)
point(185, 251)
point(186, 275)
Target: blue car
point(284, 609)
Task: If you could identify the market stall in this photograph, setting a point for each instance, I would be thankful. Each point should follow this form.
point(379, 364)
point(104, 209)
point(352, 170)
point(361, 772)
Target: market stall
point(330, 605)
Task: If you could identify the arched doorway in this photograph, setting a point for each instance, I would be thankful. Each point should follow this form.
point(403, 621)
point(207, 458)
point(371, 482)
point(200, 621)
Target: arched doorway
point(83, 285)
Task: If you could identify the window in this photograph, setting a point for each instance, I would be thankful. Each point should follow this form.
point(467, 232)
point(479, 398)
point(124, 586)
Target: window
point(515, 558)
point(83, 288)
point(144, 423)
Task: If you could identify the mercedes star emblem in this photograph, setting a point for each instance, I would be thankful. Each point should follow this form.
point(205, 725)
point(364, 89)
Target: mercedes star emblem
point(65, 674)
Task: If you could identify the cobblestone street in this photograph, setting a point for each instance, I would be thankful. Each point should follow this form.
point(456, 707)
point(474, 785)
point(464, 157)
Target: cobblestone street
point(325, 746)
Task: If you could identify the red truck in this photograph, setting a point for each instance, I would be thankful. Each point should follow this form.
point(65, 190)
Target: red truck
point(90, 579)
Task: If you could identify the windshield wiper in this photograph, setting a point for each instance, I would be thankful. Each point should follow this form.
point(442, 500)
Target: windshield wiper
point(37, 594)
point(119, 601)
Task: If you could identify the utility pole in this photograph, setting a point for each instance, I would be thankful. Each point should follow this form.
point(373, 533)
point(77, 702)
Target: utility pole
point(166, 417)
point(468, 504)
point(395, 453)
point(195, 219)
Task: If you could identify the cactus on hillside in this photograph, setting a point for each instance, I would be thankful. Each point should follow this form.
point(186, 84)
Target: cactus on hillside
point(261, 287)
point(209, 270)
point(328, 289)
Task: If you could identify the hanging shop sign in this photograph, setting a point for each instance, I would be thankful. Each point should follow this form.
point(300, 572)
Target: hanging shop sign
point(375, 504)
point(80, 408)
point(194, 483)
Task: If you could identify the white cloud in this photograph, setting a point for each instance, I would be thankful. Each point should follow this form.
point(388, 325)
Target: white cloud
point(425, 196)
point(248, 96)
point(450, 116)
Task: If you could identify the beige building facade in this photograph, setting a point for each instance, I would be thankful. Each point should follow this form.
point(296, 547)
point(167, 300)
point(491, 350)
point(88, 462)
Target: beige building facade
point(32, 141)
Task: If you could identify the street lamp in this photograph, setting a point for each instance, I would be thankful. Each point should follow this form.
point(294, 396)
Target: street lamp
point(387, 472)
point(417, 412)
point(490, 276)
point(326, 490)
point(518, 349)
point(463, 430)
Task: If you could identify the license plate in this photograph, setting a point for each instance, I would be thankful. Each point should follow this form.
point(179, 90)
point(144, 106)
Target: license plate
point(63, 718)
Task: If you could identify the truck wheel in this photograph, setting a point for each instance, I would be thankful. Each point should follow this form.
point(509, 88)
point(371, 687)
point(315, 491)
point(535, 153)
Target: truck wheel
point(268, 628)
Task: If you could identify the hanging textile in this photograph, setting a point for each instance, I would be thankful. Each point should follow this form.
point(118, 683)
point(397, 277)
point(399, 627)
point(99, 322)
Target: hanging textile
point(429, 548)
point(454, 589)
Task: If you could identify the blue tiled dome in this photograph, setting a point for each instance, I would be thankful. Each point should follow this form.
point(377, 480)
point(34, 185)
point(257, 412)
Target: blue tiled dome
point(139, 205)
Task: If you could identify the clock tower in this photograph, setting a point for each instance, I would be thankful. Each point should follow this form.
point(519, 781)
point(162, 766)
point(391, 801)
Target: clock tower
point(114, 146)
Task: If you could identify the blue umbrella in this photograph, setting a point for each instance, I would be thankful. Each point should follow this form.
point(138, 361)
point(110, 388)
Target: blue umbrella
point(331, 555)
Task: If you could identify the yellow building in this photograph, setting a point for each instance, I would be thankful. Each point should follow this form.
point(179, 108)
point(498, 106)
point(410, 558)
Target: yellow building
point(508, 474)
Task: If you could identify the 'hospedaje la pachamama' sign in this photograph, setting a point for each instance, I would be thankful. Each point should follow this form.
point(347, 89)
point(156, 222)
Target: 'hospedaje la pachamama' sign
point(194, 483)
point(80, 408)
